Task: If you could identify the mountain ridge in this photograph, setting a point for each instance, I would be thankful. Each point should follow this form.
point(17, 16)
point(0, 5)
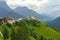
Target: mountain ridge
point(55, 24)
point(27, 28)
point(6, 11)
point(20, 12)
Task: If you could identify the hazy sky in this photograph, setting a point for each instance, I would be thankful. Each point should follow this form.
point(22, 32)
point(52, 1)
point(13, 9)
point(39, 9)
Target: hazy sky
point(40, 6)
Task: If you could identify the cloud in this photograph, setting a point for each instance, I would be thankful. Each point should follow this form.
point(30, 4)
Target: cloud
point(40, 6)
point(32, 4)
point(51, 6)
point(23, 3)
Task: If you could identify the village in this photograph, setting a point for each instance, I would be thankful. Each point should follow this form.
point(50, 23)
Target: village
point(5, 20)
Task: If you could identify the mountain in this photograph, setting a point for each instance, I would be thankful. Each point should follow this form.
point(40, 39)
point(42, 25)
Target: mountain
point(20, 12)
point(55, 23)
point(27, 29)
point(6, 11)
point(3, 6)
point(29, 12)
point(39, 29)
point(26, 11)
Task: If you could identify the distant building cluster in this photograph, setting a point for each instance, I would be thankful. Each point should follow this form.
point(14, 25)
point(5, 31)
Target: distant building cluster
point(5, 20)
point(31, 17)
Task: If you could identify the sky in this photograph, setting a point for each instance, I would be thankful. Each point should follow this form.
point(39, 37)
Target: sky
point(50, 7)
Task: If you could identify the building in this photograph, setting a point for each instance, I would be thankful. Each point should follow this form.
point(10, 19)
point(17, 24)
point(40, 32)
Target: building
point(1, 21)
point(31, 17)
point(11, 21)
point(20, 19)
point(5, 20)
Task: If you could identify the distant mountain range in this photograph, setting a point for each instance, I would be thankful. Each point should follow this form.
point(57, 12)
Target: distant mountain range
point(55, 23)
point(20, 12)
point(6, 11)
point(28, 12)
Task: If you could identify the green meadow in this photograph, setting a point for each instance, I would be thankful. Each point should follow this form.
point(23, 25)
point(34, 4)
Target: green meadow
point(28, 29)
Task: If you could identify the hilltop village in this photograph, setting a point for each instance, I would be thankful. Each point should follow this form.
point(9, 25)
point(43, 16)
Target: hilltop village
point(5, 20)
point(28, 28)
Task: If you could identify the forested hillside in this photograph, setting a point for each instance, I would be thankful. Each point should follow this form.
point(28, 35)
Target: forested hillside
point(27, 29)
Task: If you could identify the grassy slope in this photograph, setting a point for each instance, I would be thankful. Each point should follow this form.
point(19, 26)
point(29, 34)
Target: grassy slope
point(44, 30)
point(40, 29)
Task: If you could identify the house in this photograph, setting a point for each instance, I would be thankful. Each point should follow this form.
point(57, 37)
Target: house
point(5, 20)
point(11, 21)
point(31, 17)
point(20, 19)
point(1, 21)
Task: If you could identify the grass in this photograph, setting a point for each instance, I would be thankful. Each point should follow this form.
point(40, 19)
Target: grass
point(45, 31)
point(36, 27)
